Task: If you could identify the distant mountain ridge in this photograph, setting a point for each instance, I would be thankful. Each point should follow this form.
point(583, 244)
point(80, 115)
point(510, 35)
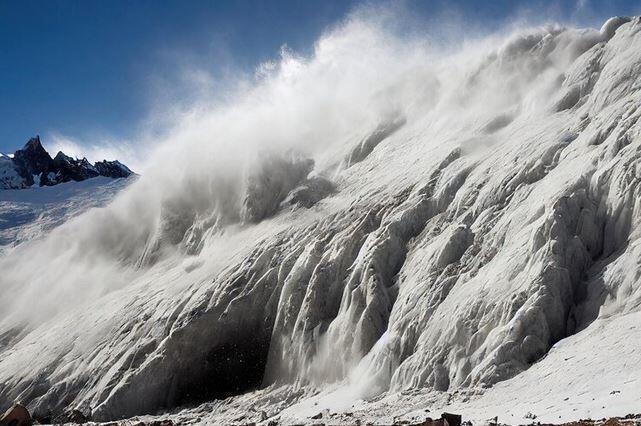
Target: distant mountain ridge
point(32, 165)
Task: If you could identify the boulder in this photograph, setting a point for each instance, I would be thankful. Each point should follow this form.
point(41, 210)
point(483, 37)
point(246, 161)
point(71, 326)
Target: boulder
point(17, 415)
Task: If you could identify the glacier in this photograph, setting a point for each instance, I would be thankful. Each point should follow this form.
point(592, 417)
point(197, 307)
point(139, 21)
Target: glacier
point(384, 227)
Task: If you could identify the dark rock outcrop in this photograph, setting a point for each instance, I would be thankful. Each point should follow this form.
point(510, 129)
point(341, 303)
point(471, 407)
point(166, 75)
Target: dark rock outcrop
point(17, 415)
point(33, 160)
point(69, 168)
point(113, 169)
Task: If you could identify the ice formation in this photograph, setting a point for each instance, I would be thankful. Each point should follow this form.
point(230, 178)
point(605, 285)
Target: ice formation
point(407, 220)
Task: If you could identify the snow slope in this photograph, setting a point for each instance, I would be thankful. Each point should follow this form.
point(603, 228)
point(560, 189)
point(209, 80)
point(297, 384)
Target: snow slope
point(31, 213)
point(9, 177)
point(473, 246)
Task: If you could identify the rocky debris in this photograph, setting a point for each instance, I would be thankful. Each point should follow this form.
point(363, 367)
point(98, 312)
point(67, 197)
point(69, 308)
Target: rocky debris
point(629, 420)
point(17, 415)
point(325, 414)
point(446, 419)
point(165, 422)
point(33, 165)
point(133, 422)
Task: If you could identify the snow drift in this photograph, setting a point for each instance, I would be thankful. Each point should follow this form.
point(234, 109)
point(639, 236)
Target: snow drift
point(381, 216)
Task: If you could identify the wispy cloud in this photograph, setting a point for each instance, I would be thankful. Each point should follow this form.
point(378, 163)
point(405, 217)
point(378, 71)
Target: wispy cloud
point(581, 5)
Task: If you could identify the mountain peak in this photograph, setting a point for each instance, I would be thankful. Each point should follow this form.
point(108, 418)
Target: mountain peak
point(34, 143)
point(33, 164)
point(33, 160)
point(61, 156)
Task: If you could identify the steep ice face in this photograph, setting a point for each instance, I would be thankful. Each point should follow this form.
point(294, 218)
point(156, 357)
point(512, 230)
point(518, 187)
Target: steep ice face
point(447, 224)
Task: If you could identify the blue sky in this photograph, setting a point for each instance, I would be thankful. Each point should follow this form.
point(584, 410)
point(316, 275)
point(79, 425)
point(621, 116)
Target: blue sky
point(92, 70)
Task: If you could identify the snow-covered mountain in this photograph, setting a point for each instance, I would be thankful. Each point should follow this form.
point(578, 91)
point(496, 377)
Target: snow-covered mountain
point(381, 229)
point(32, 165)
point(38, 193)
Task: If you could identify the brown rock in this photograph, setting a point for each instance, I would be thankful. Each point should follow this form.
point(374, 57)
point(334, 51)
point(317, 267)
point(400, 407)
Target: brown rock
point(451, 419)
point(17, 415)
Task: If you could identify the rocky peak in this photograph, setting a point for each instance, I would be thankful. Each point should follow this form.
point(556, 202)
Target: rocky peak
point(33, 165)
point(33, 160)
point(113, 169)
point(62, 157)
point(68, 168)
point(33, 149)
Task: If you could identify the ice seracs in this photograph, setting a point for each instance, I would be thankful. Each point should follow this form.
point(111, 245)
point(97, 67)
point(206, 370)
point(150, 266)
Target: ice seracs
point(458, 253)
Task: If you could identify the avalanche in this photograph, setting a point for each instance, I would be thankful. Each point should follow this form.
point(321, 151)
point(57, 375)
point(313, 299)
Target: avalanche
point(385, 227)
